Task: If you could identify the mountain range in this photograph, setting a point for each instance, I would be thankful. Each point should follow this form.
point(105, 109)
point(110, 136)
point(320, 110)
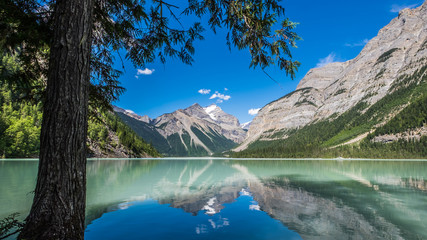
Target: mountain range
point(194, 131)
point(377, 100)
point(374, 105)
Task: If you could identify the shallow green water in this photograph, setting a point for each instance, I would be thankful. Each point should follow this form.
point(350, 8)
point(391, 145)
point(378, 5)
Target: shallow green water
point(241, 199)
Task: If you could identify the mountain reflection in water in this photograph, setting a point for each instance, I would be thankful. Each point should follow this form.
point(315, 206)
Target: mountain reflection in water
point(236, 199)
point(316, 199)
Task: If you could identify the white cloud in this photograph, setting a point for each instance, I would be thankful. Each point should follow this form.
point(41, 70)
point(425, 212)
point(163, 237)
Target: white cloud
point(254, 207)
point(220, 96)
point(204, 91)
point(245, 192)
point(324, 61)
point(253, 111)
point(395, 8)
point(146, 71)
point(225, 89)
point(357, 44)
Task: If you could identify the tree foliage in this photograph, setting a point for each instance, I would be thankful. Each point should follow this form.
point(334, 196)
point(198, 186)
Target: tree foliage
point(20, 120)
point(25, 31)
point(146, 31)
point(9, 226)
point(250, 25)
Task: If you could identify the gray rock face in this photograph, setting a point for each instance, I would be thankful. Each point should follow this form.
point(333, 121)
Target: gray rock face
point(131, 114)
point(399, 48)
point(411, 135)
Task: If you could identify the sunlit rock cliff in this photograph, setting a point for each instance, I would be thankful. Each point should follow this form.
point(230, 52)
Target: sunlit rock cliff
point(399, 49)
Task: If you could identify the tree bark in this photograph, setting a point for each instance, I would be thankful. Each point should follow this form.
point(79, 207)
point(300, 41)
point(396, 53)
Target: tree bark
point(58, 210)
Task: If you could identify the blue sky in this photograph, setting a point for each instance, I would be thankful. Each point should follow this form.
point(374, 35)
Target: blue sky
point(332, 30)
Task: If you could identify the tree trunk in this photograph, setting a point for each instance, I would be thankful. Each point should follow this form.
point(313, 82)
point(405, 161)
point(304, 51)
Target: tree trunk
point(58, 210)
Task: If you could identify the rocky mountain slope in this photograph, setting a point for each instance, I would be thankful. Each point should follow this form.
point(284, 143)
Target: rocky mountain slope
point(391, 64)
point(194, 131)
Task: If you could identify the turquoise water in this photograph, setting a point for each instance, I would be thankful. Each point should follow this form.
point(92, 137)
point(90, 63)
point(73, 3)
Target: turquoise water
point(241, 199)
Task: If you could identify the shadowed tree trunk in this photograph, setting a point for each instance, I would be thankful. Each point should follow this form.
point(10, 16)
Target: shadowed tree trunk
point(58, 209)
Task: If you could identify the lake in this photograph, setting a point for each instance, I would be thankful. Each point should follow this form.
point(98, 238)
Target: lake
point(241, 199)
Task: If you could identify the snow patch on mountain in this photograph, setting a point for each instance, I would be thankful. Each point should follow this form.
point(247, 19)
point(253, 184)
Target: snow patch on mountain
point(210, 110)
point(246, 125)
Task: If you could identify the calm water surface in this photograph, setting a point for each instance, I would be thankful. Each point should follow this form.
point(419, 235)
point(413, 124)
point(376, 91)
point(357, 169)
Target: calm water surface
point(241, 199)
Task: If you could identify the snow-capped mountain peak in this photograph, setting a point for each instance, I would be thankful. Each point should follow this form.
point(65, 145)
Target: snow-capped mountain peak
point(210, 110)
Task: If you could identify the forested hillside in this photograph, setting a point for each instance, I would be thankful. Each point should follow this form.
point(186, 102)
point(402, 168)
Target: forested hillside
point(20, 125)
point(110, 136)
